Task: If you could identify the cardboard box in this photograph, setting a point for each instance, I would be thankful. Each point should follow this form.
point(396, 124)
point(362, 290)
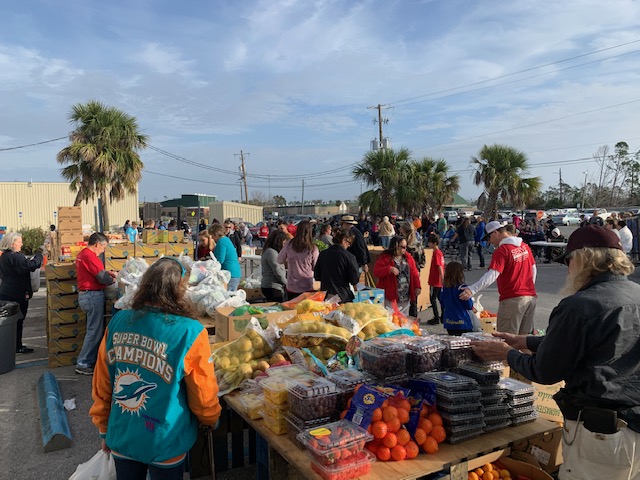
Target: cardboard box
point(115, 264)
point(154, 250)
point(71, 213)
point(63, 345)
point(60, 302)
point(63, 359)
point(253, 294)
point(62, 287)
point(177, 249)
point(373, 295)
point(489, 324)
point(517, 467)
point(545, 404)
point(70, 238)
point(175, 237)
point(68, 330)
point(163, 236)
point(60, 271)
point(230, 328)
point(69, 226)
point(545, 448)
point(71, 316)
point(120, 250)
point(150, 236)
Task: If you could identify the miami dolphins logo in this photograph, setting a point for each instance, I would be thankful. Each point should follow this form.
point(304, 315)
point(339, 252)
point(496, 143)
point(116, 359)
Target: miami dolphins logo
point(131, 391)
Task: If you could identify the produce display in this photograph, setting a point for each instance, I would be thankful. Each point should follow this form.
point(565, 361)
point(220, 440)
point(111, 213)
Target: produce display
point(490, 471)
point(383, 357)
point(296, 425)
point(335, 441)
point(457, 351)
point(423, 355)
point(313, 398)
point(355, 466)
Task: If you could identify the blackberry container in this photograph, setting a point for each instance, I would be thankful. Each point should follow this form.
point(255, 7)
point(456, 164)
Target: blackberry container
point(454, 408)
point(521, 420)
point(462, 396)
point(346, 382)
point(423, 355)
point(312, 398)
point(397, 380)
point(452, 420)
point(517, 392)
point(449, 381)
point(457, 351)
point(495, 426)
point(484, 375)
point(383, 357)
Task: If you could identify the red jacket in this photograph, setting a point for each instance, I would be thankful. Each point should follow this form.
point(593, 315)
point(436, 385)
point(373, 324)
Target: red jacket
point(387, 280)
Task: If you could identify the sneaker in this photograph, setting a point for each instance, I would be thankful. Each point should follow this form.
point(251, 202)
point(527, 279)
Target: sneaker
point(84, 370)
point(433, 321)
point(24, 349)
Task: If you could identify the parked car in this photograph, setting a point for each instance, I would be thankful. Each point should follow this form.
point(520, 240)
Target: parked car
point(602, 213)
point(451, 216)
point(254, 229)
point(566, 219)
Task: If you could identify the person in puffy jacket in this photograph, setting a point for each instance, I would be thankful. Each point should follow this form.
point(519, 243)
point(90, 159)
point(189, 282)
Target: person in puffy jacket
point(15, 273)
point(398, 275)
point(153, 382)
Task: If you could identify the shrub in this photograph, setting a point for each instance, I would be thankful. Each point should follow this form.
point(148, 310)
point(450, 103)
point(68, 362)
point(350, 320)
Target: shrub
point(32, 239)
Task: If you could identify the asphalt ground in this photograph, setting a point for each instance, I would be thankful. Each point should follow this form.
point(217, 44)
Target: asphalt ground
point(20, 435)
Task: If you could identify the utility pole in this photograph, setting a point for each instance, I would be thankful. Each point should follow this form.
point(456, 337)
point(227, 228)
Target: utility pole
point(243, 174)
point(561, 199)
point(302, 204)
point(380, 122)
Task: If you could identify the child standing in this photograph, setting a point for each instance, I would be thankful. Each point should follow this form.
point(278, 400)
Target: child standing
point(436, 276)
point(457, 313)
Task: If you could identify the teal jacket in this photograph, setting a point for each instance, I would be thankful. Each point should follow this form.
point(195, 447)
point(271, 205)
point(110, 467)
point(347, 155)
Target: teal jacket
point(153, 382)
point(227, 255)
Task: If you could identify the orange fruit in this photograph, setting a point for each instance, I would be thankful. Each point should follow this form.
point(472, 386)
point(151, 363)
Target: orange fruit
point(479, 471)
point(373, 446)
point(385, 404)
point(420, 436)
point(343, 414)
point(377, 415)
point(426, 425)
point(424, 411)
point(399, 453)
point(412, 449)
point(394, 425)
point(430, 445)
point(390, 440)
point(487, 467)
point(487, 476)
point(435, 418)
point(389, 413)
point(404, 405)
point(383, 453)
point(473, 476)
point(403, 415)
point(403, 437)
point(504, 473)
point(439, 433)
point(379, 429)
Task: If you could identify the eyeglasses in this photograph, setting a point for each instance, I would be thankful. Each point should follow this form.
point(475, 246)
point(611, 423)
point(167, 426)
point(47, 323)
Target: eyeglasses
point(402, 247)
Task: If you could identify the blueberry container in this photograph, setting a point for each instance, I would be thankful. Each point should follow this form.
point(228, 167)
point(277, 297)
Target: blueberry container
point(451, 419)
point(460, 407)
point(494, 427)
point(461, 396)
point(481, 374)
point(532, 417)
point(449, 381)
point(346, 382)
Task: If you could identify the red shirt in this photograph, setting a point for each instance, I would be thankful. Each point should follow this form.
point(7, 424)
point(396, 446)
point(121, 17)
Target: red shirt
point(515, 265)
point(88, 265)
point(263, 232)
point(291, 228)
point(437, 266)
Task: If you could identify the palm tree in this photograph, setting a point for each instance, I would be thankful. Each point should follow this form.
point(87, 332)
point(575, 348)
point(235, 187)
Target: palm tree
point(103, 154)
point(500, 169)
point(432, 185)
point(386, 171)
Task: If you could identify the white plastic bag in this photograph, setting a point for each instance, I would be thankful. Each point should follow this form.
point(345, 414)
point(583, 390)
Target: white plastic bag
point(35, 280)
point(100, 467)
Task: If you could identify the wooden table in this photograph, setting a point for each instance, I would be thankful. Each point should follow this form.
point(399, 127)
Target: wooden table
point(285, 460)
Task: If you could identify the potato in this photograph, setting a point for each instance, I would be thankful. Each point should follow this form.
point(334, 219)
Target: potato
point(262, 365)
point(275, 358)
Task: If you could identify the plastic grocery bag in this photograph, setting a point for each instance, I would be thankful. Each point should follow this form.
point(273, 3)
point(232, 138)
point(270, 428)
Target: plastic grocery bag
point(100, 467)
point(35, 280)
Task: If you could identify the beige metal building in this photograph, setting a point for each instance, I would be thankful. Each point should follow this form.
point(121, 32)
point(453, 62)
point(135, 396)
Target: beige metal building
point(35, 204)
point(235, 211)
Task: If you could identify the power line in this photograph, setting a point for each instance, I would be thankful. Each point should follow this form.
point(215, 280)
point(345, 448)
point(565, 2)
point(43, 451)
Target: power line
point(481, 82)
point(33, 144)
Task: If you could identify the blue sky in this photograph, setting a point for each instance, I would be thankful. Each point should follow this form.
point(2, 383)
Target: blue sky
point(290, 82)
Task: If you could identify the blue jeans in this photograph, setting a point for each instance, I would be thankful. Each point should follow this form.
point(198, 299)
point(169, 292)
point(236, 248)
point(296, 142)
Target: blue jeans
point(132, 470)
point(385, 240)
point(92, 303)
point(233, 284)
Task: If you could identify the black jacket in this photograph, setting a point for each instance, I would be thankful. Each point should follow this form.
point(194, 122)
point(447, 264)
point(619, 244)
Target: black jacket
point(593, 344)
point(359, 247)
point(336, 269)
point(14, 272)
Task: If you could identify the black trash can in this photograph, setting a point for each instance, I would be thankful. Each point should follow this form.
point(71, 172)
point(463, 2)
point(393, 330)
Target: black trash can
point(9, 315)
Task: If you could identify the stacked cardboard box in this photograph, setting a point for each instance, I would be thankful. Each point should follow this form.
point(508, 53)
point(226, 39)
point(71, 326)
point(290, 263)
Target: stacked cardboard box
point(66, 322)
point(117, 254)
point(69, 226)
point(177, 249)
